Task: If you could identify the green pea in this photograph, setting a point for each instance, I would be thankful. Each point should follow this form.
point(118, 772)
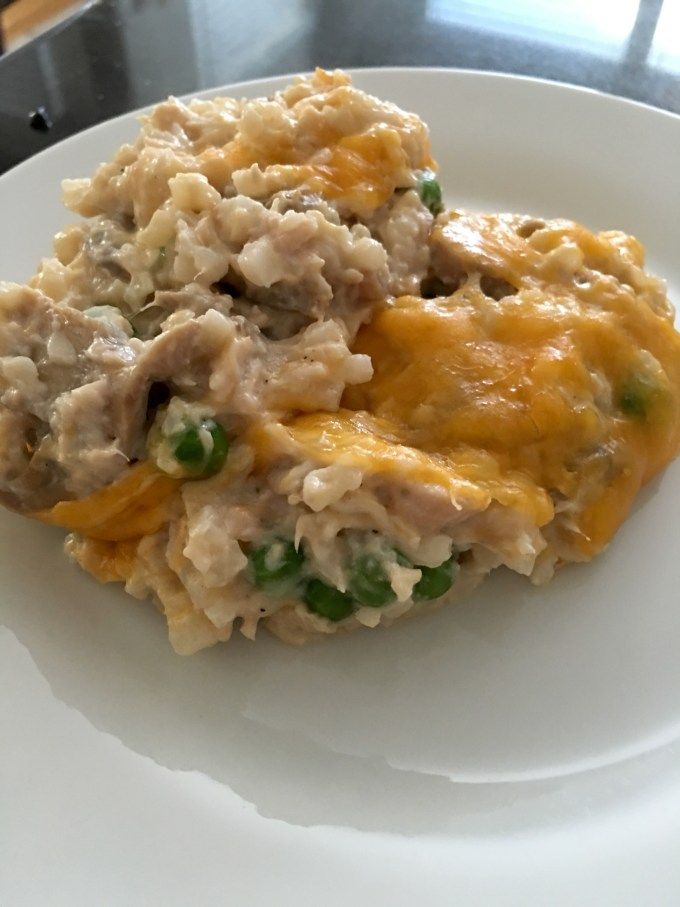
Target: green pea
point(435, 581)
point(327, 601)
point(369, 583)
point(430, 191)
point(402, 560)
point(637, 395)
point(190, 451)
point(277, 564)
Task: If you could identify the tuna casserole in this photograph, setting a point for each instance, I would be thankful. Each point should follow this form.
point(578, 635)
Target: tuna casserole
point(267, 378)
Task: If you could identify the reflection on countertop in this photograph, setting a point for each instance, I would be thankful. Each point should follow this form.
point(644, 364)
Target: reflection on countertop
point(116, 55)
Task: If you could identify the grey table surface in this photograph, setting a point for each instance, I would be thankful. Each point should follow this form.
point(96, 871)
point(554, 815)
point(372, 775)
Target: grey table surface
point(117, 55)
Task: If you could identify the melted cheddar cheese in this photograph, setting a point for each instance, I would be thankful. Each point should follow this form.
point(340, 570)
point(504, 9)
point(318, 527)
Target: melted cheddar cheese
point(135, 505)
point(572, 379)
point(562, 395)
point(379, 448)
point(360, 167)
point(109, 562)
point(361, 170)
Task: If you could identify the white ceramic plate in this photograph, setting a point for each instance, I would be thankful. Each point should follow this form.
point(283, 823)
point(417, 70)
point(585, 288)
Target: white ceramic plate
point(521, 748)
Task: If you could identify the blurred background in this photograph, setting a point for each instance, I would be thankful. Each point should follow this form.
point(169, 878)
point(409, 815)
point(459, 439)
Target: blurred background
point(21, 20)
point(66, 65)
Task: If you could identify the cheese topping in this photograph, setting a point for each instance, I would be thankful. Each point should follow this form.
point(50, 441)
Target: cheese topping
point(133, 506)
point(572, 380)
point(357, 163)
point(564, 393)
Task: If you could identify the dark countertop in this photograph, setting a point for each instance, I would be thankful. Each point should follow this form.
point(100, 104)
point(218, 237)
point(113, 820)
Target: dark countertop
point(116, 55)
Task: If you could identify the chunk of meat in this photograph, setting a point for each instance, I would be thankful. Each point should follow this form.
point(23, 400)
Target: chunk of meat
point(306, 372)
point(183, 353)
point(46, 353)
point(299, 262)
point(193, 299)
point(73, 392)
